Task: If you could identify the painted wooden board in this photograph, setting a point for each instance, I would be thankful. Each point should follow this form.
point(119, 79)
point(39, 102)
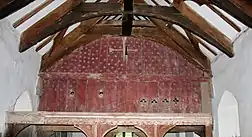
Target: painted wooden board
point(97, 77)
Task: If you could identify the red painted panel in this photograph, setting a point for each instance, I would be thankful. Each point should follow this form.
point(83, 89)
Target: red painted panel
point(135, 64)
point(132, 100)
point(111, 96)
point(95, 93)
point(61, 94)
point(97, 77)
point(81, 93)
point(165, 97)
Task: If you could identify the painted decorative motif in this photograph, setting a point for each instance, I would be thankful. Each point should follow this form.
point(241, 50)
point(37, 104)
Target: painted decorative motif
point(122, 74)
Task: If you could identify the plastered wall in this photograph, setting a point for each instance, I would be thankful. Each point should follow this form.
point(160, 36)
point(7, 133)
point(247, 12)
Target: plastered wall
point(18, 73)
point(235, 75)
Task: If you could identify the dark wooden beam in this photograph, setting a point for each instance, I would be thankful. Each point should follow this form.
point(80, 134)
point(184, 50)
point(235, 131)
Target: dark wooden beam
point(206, 46)
point(192, 39)
point(88, 11)
point(239, 9)
point(48, 59)
point(45, 22)
point(183, 43)
point(74, 34)
point(8, 7)
point(136, 23)
point(32, 13)
point(127, 19)
point(230, 22)
point(244, 5)
point(45, 42)
point(195, 41)
point(4, 3)
point(57, 40)
point(69, 39)
point(224, 43)
point(98, 32)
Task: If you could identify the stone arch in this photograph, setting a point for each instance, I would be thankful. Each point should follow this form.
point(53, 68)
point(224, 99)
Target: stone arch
point(23, 102)
point(228, 117)
point(119, 129)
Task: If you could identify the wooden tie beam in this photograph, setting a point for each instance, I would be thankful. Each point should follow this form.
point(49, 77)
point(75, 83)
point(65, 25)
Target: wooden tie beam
point(153, 124)
point(75, 118)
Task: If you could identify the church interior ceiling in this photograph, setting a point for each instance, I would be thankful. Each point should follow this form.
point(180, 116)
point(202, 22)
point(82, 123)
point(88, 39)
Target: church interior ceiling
point(170, 22)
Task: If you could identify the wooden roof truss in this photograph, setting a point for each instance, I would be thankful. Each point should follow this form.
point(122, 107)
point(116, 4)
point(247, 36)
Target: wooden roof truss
point(133, 18)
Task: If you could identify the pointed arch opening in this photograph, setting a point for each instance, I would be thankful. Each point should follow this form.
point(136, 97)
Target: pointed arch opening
point(228, 116)
point(23, 102)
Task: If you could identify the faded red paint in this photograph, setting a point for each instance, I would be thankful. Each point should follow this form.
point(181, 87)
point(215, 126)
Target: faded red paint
point(96, 79)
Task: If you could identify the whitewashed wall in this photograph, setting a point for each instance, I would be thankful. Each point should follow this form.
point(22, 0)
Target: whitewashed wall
point(18, 73)
point(235, 75)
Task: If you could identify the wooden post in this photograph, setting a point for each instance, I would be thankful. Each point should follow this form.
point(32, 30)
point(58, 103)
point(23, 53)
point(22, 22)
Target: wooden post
point(208, 131)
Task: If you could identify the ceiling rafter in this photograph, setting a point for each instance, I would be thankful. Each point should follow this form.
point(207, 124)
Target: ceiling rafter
point(45, 42)
point(182, 42)
point(73, 35)
point(70, 38)
point(195, 41)
point(224, 42)
point(32, 13)
point(135, 23)
point(230, 22)
point(94, 25)
point(57, 40)
point(46, 21)
point(8, 7)
point(244, 5)
point(239, 9)
point(206, 46)
point(86, 11)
